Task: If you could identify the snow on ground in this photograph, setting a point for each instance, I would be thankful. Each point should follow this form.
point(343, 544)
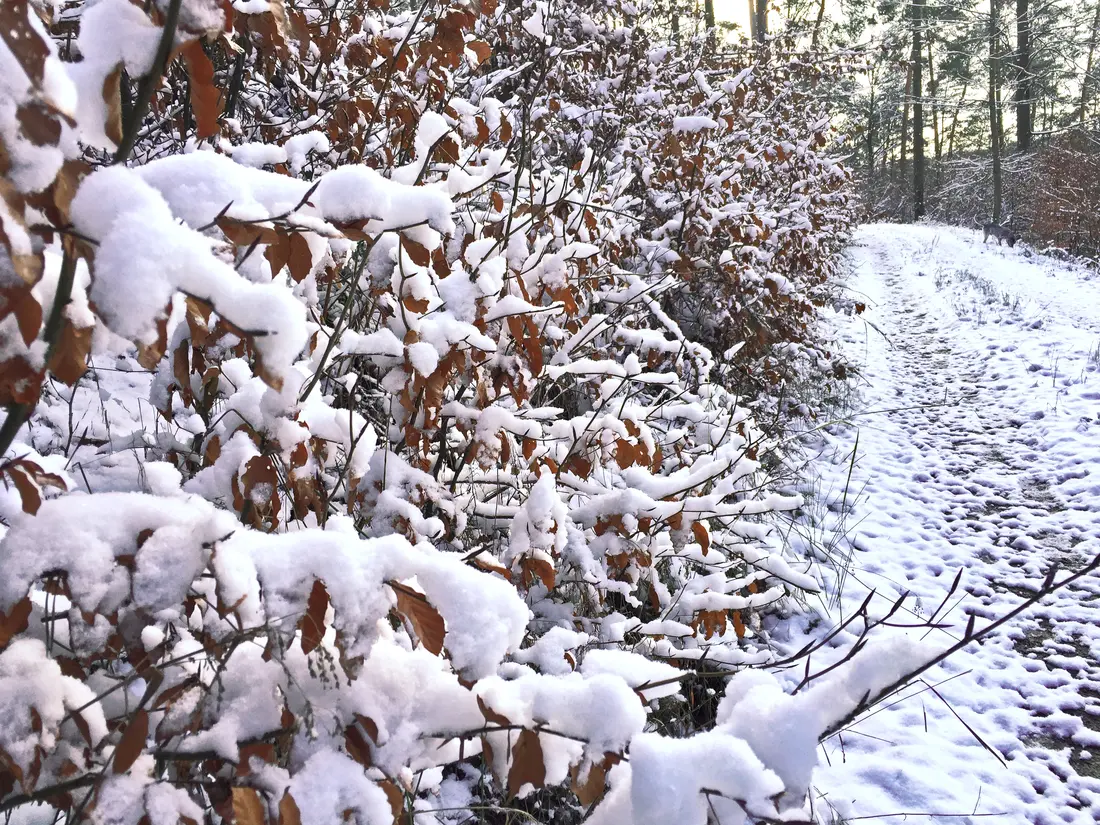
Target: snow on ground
point(978, 449)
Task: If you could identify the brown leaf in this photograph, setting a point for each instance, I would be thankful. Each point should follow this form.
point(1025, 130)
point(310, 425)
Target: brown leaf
point(481, 49)
point(395, 797)
point(542, 569)
point(212, 451)
point(447, 150)
point(198, 320)
point(132, 742)
point(245, 234)
point(264, 751)
point(489, 566)
point(592, 789)
point(248, 808)
point(491, 715)
point(288, 811)
point(14, 622)
point(278, 252)
point(22, 39)
point(369, 726)
point(205, 97)
point(19, 301)
point(149, 355)
point(29, 496)
point(356, 745)
point(738, 624)
point(702, 535)
point(170, 695)
point(70, 357)
point(299, 257)
point(527, 764)
point(260, 472)
point(112, 96)
point(425, 620)
point(312, 624)
point(417, 305)
point(417, 252)
point(38, 123)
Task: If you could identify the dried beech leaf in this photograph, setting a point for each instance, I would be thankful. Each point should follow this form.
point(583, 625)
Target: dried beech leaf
point(288, 811)
point(542, 569)
point(527, 763)
point(395, 797)
point(425, 619)
point(132, 742)
point(112, 97)
point(356, 745)
point(481, 49)
point(245, 234)
point(248, 808)
point(29, 496)
point(28, 48)
point(702, 535)
point(312, 624)
point(491, 715)
point(38, 123)
point(20, 302)
point(14, 622)
point(205, 97)
point(70, 357)
point(592, 789)
point(738, 624)
point(299, 257)
point(418, 253)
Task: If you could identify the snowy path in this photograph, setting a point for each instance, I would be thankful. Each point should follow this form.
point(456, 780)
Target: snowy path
point(990, 463)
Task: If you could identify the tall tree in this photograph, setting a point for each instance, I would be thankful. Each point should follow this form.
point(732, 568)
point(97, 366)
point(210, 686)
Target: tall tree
point(994, 109)
point(916, 61)
point(758, 19)
point(1023, 76)
point(1086, 81)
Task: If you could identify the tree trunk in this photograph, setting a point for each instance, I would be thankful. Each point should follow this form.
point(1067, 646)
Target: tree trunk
point(1023, 76)
point(933, 89)
point(759, 10)
point(905, 119)
point(955, 119)
point(871, 134)
point(817, 24)
point(1085, 81)
point(917, 61)
point(708, 17)
point(994, 111)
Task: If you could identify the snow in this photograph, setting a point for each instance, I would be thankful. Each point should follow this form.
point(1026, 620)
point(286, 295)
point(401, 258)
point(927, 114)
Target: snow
point(29, 679)
point(259, 154)
point(356, 193)
point(111, 32)
point(144, 257)
point(977, 452)
point(84, 534)
point(330, 785)
point(682, 780)
point(636, 670)
point(693, 124)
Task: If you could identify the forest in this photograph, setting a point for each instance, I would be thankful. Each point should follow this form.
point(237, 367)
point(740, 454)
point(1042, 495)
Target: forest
point(439, 412)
